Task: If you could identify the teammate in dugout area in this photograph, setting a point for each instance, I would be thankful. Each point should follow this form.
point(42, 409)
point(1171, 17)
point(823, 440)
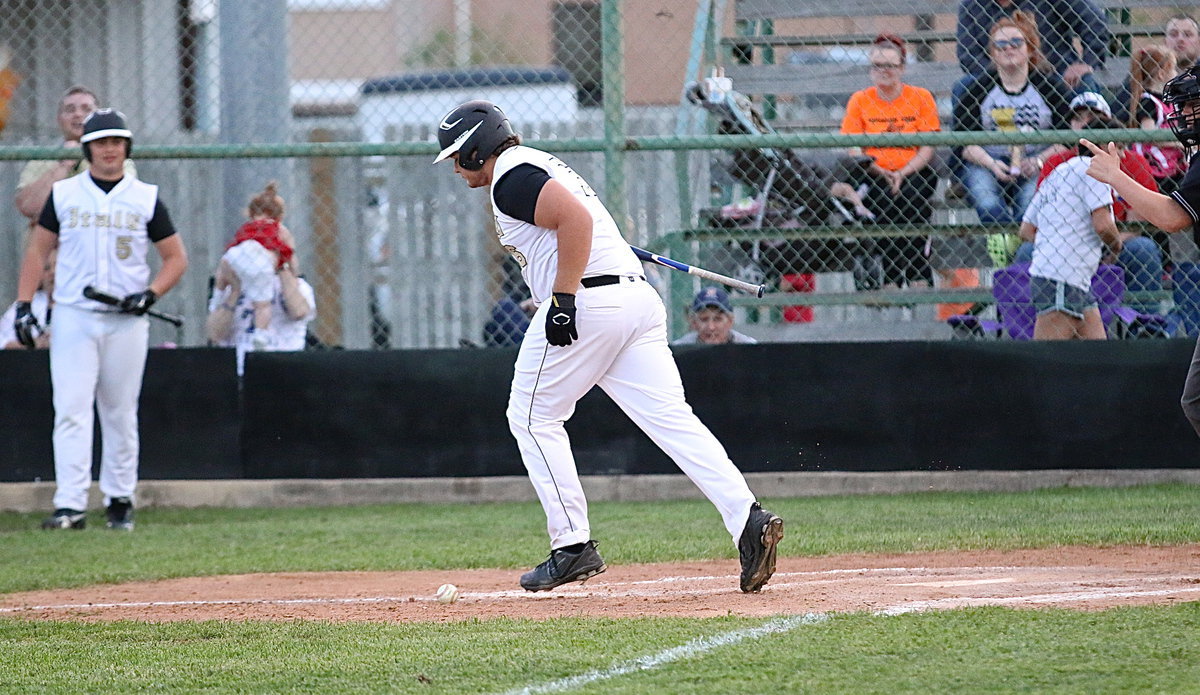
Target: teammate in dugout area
point(711, 320)
point(42, 307)
point(1171, 213)
point(102, 223)
point(598, 323)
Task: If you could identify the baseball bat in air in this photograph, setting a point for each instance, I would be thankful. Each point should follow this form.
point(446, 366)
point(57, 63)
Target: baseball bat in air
point(756, 290)
point(106, 298)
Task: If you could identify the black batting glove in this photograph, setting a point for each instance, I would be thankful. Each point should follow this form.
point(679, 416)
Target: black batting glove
point(26, 325)
point(139, 303)
point(560, 320)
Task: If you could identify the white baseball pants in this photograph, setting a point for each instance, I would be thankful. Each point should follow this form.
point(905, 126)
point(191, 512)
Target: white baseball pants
point(96, 359)
point(622, 347)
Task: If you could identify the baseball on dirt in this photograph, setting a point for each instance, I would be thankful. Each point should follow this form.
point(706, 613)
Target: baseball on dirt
point(447, 593)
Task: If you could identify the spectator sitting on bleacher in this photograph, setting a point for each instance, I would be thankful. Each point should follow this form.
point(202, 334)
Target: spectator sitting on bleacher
point(1141, 257)
point(1182, 39)
point(1149, 70)
point(1059, 22)
point(1018, 94)
point(899, 181)
point(711, 320)
point(1070, 218)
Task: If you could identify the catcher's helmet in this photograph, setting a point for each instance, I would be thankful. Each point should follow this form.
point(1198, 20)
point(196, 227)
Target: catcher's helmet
point(105, 123)
point(1179, 92)
point(474, 130)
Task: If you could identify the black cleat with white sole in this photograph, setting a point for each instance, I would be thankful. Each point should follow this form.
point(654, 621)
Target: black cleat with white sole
point(756, 548)
point(563, 567)
point(120, 514)
point(66, 518)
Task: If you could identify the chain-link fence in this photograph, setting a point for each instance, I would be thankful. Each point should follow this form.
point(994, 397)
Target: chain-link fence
point(879, 237)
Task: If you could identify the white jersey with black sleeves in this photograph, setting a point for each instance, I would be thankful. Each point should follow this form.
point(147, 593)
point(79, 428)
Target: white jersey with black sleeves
point(102, 238)
point(536, 249)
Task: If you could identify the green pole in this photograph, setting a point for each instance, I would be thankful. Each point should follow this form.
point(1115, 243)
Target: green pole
point(612, 63)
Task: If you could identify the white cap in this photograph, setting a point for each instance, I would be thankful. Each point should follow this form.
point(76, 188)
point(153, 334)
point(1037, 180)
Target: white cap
point(1093, 101)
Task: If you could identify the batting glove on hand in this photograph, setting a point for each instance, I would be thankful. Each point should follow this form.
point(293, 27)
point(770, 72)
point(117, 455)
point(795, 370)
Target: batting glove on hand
point(139, 303)
point(560, 320)
point(26, 325)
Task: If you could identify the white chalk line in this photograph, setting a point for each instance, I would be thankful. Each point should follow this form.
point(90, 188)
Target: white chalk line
point(779, 625)
point(968, 601)
point(693, 648)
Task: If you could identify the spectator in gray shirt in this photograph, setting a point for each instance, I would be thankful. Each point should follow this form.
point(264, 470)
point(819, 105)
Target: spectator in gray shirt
point(1059, 23)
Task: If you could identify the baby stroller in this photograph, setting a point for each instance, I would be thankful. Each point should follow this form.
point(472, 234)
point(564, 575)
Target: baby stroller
point(791, 192)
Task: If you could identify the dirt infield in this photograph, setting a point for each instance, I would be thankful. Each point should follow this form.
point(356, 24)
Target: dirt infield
point(1084, 578)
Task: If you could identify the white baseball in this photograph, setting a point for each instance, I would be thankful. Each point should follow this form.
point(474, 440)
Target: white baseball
point(447, 593)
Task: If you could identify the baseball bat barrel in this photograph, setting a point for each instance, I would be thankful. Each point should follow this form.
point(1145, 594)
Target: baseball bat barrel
point(756, 290)
point(106, 298)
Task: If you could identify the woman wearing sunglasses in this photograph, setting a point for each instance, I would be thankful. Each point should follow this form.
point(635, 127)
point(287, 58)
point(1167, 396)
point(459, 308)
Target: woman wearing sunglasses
point(1020, 93)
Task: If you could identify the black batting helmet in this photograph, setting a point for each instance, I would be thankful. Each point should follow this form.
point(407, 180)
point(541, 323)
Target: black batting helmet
point(105, 123)
point(474, 130)
point(1179, 92)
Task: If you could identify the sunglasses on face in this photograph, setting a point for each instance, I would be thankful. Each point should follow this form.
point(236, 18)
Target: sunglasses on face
point(886, 66)
point(1002, 44)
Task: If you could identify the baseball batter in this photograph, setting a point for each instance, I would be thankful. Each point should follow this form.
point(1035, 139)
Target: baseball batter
point(599, 323)
point(102, 222)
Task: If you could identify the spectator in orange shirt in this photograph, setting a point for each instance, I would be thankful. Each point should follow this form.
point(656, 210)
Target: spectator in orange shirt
point(900, 182)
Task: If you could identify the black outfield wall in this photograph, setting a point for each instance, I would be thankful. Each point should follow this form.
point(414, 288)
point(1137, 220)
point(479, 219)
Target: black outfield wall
point(779, 407)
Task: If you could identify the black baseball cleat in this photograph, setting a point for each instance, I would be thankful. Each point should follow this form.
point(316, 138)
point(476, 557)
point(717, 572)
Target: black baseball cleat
point(563, 567)
point(120, 514)
point(757, 546)
point(66, 518)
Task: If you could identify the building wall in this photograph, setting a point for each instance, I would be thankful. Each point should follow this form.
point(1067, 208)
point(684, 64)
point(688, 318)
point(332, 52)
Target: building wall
point(376, 42)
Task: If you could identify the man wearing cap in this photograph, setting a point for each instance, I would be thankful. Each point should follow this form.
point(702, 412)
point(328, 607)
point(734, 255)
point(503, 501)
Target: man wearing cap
point(102, 222)
point(711, 320)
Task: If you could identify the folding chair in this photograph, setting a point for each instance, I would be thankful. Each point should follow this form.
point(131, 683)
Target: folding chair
point(1015, 315)
point(1123, 322)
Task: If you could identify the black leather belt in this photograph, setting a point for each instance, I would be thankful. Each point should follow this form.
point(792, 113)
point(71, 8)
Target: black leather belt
point(602, 280)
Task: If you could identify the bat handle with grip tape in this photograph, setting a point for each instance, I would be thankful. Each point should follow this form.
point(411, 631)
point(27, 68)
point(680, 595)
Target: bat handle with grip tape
point(644, 255)
point(106, 298)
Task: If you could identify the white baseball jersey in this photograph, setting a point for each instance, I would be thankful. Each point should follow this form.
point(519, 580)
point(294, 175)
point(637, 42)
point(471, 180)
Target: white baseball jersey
point(536, 249)
point(98, 355)
point(1067, 248)
point(622, 348)
point(102, 239)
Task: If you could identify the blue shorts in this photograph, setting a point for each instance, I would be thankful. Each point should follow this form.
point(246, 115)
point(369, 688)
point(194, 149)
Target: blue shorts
point(1056, 295)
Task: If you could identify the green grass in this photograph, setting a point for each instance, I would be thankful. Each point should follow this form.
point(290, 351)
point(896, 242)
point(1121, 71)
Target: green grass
point(983, 650)
point(1146, 649)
